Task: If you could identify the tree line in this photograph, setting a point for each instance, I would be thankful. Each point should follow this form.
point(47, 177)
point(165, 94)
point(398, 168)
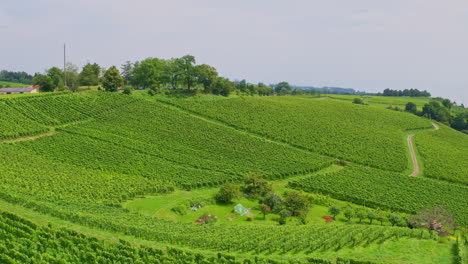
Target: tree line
point(405, 92)
point(16, 77)
point(440, 110)
point(157, 76)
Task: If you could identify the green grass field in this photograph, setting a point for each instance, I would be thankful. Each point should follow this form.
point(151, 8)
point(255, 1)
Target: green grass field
point(110, 166)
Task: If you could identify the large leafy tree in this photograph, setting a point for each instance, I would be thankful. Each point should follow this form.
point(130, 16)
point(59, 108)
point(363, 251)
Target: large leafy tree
point(186, 67)
point(206, 75)
point(89, 76)
point(283, 88)
point(148, 73)
point(112, 79)
point(45, 82)
point(56, 75)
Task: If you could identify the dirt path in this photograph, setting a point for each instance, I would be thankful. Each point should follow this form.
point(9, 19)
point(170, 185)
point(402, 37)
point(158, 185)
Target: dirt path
point(413, 156)
point(27, 138)
point(413, 153)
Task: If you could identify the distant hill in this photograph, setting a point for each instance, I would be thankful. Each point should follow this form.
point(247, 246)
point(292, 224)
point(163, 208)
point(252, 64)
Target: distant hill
point(330, 90)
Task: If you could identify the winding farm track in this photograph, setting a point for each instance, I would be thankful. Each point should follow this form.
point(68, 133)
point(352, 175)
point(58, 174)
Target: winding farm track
point(413, 153)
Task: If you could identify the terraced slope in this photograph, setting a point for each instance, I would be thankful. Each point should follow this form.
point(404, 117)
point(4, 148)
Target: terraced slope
point(157, 142)
point(364, 135)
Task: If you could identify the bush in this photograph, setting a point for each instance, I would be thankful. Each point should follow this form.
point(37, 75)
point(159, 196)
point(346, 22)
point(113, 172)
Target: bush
point(180, 209)
point(227, 193)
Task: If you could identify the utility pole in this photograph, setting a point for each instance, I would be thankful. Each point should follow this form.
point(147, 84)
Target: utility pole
point(64, 66)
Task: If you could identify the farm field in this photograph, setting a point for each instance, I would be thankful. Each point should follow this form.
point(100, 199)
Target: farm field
point(385, 100)
point(102, 185)
point(12, 84)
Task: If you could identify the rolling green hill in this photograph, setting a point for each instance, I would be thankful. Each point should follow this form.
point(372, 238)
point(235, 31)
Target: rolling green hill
point(73, 160)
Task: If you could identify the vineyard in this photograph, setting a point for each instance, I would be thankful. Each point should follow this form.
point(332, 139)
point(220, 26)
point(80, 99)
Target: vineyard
point(367, 136)
point(13, 124)
point(445, 154)
point(377, 188)
point(151, 140)
point(107, 148)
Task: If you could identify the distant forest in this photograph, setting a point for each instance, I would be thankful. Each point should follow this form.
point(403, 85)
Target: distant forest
point(16, 77)
point(406, 92)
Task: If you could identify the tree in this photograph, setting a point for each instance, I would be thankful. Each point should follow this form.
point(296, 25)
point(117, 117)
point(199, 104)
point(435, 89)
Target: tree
point(372, 215)
point(334, 210)
point(255, 185)
point(89, 76)
point(349, 213)
point(56, 75)
point(127, 72)
point(265, 209)
point(206, 76)
point(148, 73)
point(283, 88)
point(185, 66)
point(45, 82)
point(381, 217)
point(112, 79)
point(227, 193)
point(274, 201)
point(297, 203)
point(411, 107)
point(71, 77)
point(361, 214)
point(395, 219)
point(223, 87)
point(447, 103)
point(433, 219)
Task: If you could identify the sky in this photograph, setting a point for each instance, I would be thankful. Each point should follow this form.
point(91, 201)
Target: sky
point(368, 45)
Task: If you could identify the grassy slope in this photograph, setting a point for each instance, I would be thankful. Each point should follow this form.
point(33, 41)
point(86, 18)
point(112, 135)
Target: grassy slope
point(12, 84)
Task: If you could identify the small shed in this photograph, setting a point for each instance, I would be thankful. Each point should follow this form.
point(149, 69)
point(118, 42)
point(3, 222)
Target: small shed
point(240, 209)
point(18, 90)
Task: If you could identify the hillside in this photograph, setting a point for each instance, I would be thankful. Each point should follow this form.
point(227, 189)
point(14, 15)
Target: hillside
point(73, 162)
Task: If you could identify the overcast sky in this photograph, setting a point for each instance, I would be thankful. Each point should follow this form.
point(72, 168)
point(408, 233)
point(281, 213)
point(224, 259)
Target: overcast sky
point(363, 44)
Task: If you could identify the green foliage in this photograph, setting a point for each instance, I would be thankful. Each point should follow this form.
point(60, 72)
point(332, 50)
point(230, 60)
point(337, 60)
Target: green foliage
point(411, 107)
point(358, 101)
point(13, 124)
point(334, 210)
point(89, 76)
point(297, 203)
point(46, 83)
point(227, 193)
point(127, 90)
point(112, 79)
point(255, 185)
point(445, 154)
point(377, 188)
point(371, 137)
point(349, 213)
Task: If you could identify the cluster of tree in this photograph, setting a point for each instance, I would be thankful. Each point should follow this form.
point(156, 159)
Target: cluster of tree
point(433, 219)
point(284, 88)
point(293, 203)
point(55, 79)
point(440, 110)
point(16, 77)
point(184, 74)
point(406, 92)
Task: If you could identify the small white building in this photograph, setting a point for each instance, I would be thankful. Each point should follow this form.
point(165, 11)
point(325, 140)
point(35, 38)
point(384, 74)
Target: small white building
point(19, 90)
